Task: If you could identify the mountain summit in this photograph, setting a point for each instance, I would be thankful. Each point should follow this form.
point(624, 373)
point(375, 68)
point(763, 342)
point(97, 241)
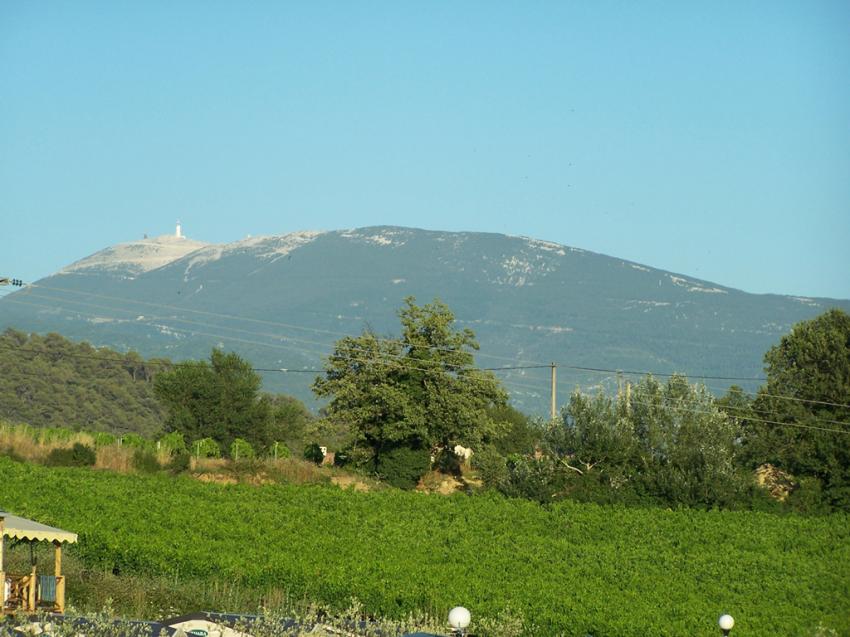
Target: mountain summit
point(136, 257)
point(283, 300)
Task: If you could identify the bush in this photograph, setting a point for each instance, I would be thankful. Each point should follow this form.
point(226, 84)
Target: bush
point(492, 467)
point(145, 461)
point(103, 439)
point(173, 442)
point(54, 434)
point(206, 448)
point(354, 457)
point(241, 450)
point(135, 441)
point(180, 462)
point(279, 450)
point(448, 462)
point(404, 465)
point(313, 453)
point(79, 455)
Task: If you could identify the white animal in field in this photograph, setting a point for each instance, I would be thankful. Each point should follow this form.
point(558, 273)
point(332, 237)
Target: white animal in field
point(463, 452)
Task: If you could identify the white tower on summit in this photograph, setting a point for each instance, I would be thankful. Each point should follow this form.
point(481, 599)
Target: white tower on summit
point(179, 232)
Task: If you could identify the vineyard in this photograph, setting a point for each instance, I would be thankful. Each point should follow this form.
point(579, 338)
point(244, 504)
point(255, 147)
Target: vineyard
point(571, 569)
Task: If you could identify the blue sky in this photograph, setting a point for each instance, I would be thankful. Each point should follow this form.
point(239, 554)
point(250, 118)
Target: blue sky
point(710, 139)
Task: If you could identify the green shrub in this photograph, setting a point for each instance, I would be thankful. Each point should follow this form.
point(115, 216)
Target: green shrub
point(173, 442)
point(402, 466)
point(53, 434)
point(144, 461)
point(206, 448)
point(79, 455)
point(313, 453)
point(492, 467)
point(103, 439)
point(279, 450)
point(180, 462)
point(448, 462)
point(241, 449)
point(135, 440)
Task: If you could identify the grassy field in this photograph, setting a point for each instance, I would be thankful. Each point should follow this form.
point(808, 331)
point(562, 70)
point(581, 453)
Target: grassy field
point(570, 569)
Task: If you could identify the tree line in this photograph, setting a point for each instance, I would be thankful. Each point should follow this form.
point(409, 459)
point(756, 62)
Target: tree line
point(408, 399)
point(398, 405)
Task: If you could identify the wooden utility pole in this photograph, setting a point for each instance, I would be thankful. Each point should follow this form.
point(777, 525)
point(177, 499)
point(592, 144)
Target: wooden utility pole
point(554, 392)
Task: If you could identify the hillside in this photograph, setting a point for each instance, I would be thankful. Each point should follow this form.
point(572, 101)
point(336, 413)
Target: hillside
point(48, 381)
point(568, 569)
point(282, 301)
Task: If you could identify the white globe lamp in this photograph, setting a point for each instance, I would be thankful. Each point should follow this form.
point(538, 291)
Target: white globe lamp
point(459, 619)
point(726, 622)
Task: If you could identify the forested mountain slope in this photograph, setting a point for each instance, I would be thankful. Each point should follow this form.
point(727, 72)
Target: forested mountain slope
point(48, 381)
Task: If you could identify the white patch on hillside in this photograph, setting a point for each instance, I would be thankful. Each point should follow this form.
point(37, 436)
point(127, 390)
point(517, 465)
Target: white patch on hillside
point(550, 329)
point(693, 286)
point(270, 248)
point(389, 238)
point(548, 246)
point(639, 267)
point(397, 281)
point(805, 301)
point(645, 305)
point(136, 257)
point(532, 260)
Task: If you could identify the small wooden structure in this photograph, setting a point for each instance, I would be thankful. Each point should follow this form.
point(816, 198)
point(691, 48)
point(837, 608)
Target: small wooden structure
point(32, 591)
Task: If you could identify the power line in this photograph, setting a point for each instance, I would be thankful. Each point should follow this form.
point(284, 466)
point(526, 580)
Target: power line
point(769, 422)
point(536, 389)
point(222, 315)
point(149, 320)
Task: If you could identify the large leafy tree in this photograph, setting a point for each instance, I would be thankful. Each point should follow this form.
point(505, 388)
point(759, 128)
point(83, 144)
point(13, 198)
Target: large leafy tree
point(421, 389)
point(665, 441)
point(806, 401)
point(219, 399)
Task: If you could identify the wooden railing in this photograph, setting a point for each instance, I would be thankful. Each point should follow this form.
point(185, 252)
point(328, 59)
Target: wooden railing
point(23, 594)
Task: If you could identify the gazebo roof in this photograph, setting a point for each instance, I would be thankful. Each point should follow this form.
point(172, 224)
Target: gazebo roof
point(22, 529)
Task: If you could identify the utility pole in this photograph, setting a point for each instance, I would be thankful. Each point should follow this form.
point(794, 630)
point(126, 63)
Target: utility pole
point(554, 391)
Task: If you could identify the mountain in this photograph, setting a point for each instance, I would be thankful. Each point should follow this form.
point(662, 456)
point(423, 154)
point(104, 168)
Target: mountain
point(281, 301)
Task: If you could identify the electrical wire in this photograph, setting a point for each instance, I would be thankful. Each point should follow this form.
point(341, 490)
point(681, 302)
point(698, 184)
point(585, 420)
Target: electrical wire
point(289, 338)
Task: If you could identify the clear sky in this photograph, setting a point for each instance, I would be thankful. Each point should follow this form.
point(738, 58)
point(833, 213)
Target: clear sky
point(710, 139)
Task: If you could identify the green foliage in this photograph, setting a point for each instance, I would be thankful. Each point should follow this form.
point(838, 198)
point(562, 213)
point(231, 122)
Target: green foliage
point(180, 462)
point(291, 420)
point(668, 443)
point(241, 449)
point(52, 434)
point(173, 442)
point(492, 467)
point(49, 381)
point(219, 399)
point(103, 439)
point(520, 434)
point(420, 387)
point(279, 451)
point(806, 394)
point(145, 461)
point(567, 568)
point(401, 466)
point(206, 448)
point(313, 453)
point(79, 455)
point(135, 441)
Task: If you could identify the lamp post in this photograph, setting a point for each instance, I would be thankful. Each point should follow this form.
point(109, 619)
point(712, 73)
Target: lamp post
point(459, 619)
point(726, 623)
